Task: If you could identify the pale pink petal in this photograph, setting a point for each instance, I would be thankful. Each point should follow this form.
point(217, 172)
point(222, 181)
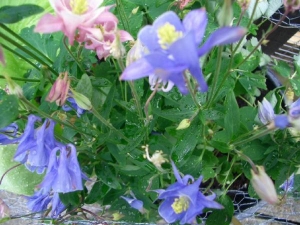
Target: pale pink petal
point(2, 60)
point(94, 4)
point(125, 36)
point(106, 17)
point(48, 24)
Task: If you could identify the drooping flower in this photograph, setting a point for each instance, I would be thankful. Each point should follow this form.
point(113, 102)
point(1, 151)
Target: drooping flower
point(74, 106)
point(265, 112)
point(169, 40)
point(2, 60)
point(35, 145)
point(183, 201)
point(40, 201)
point(134, 202)
point(263, 185)
point(288, 185)
point(63, 172)
point(104, 37)
point(8, 134)
point(157, 158)
point(60, 89)
point(70, 15)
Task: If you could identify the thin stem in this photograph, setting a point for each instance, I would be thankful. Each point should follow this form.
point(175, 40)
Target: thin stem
point(27, 51)
point(21, 56)
point(149, 100)
point(246, 158)
point(256, 136)
point(215, 77)
point(72, 55)
point(32, 106)
point(106, 123)
point(21, 79)
point(25, 42)
point(192, 92)
point(2, 177)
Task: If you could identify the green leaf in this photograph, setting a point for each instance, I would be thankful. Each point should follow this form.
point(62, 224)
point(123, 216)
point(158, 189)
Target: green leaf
point(232, 115)
point(106, 175)
point(19, 180)
point(13, 14)
point(221, 216)
point(70, 198)
point(84, 86)
point(254, 150)
point(8, 108)
point(97, 192)
point(283, 69)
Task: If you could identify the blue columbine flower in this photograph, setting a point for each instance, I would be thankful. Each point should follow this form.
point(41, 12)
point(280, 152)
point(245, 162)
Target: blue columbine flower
point(134, 202)
point(74, 106)
point(173, 47)
point(35, 145)
point(288, 185)
point(265, 112)
point(39, 202)
point(183, 201)
point(63, 172)
point(8, 134)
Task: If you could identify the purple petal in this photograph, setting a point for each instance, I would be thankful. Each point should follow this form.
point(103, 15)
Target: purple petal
point(222, 36)
point(176, 173)
point(134, 203)
point(196, 21)
point(166, 211)
point(265, 112)
point(281, 121)
point(57, 206)
point(168, 17)
point(149, 38)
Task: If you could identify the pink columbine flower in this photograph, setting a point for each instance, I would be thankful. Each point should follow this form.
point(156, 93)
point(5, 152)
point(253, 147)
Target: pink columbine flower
point(70, 15)
point(104, 36)
point(59, 90)
point(2, 60)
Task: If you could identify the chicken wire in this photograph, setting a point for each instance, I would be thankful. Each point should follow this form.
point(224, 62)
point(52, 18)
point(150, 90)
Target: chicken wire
point(247, 210)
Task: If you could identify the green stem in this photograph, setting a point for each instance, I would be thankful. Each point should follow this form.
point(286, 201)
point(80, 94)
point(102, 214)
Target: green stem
point(246, 158)
point(72, 55)
point(106, 123)
point(21, 79)
point(43, 114)
point(25, 42)
point(256, 136)
point(21, 56)
point(215, 78)
point(27, 51)
point(192, 92)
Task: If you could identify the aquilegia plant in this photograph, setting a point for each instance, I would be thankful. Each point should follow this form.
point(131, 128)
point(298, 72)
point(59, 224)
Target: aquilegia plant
point(112, 102)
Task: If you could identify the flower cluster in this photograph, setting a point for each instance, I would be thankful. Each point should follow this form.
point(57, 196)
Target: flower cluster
point(84, 21)
point(168, 40)
point(39, 150)
point(267, 116)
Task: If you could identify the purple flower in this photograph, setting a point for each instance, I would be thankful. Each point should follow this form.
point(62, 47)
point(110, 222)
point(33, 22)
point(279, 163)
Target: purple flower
point(288, 185)
point(39, 202)
point(74, 106)
point(63, 172)
point(183, 201)
point(172, 47)
point(265, 112)
point(134, 203)
point(35, 145)
point(8, 134)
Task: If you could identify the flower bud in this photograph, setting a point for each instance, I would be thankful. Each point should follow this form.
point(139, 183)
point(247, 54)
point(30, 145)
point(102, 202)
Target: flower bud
point(291, 5)
point(263, 185)
point(59, 90)
point(185, 123)
point(244, 4)
point(225, 15)
point(135, 53)
point(81, 100)
point(13, 87)
point(265, 112)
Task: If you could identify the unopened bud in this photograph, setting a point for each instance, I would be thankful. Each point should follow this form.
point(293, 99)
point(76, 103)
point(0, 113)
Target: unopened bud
point(13, 87)
point(59, 90)
point(225, 15)
point(244, 4)
point(135, 53)
point(81, 100)
point(291, 5)
point(263, 185)
point(135, 10)
point(185, 123)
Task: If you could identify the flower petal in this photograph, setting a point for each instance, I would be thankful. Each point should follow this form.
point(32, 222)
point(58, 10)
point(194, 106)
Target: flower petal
point(48, 24)
point(222, 36)
point(196, 21)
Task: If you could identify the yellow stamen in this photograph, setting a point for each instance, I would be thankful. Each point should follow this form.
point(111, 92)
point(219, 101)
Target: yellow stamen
point(167, 34)
point(79, 6)
point(180, 204)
